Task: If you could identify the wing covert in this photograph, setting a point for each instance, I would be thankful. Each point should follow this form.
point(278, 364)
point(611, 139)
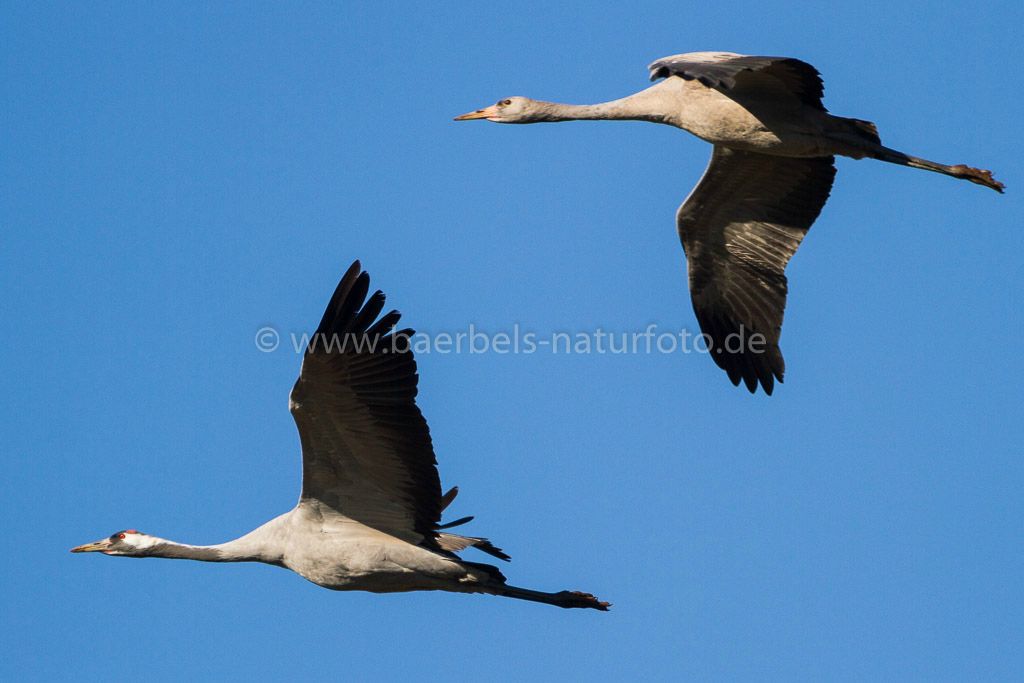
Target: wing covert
point(727, 71)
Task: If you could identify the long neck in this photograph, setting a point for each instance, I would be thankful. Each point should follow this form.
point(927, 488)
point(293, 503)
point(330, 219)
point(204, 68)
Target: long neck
point(259, 545)
point(224, 552)
point(652, 104)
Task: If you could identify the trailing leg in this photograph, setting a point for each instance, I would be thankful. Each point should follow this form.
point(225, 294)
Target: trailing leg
point(975, 175)
point(566, 599)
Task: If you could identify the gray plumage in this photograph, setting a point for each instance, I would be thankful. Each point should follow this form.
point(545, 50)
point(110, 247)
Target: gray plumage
point(771, 171)
point(369, 515)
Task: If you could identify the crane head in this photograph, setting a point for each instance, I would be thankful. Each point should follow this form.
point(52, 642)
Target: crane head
point(508, 110)
point(125, 542)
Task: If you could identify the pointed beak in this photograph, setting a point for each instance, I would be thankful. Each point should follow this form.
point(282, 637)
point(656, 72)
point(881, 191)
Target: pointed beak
point(485, 113)
point(98, 546)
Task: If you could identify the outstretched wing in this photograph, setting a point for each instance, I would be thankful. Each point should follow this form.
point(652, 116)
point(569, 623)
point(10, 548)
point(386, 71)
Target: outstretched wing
point(366, 449)
point(727, 71)
point(739, 228)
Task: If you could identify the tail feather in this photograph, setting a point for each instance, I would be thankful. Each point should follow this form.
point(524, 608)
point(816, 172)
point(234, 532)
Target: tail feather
point(453, 543)
point(448, 497)
point(864, 129)
point(459, 522)
point(493, 574)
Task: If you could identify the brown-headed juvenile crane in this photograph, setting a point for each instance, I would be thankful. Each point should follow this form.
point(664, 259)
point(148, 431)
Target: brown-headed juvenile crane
point(771, 171)
point(369, 515)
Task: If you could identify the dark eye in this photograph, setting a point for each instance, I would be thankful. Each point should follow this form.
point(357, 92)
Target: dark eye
point(505, 102)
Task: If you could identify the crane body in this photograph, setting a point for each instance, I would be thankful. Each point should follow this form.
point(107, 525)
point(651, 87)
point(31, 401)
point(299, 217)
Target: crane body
point(771, 172)
point(369, 514)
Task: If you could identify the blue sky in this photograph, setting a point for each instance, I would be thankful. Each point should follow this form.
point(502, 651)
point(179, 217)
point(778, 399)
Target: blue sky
point(175, 180)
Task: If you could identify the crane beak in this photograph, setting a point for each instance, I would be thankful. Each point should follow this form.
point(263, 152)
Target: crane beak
point(98, 546)
point(485, 113)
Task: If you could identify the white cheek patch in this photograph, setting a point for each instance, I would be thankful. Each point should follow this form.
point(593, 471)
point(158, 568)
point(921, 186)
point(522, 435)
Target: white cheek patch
point(138, 541)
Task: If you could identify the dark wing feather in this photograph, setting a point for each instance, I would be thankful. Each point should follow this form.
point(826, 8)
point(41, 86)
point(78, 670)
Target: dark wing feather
point(366, 449)
point(454, 543)
point(745, 75)
point(739, 228)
